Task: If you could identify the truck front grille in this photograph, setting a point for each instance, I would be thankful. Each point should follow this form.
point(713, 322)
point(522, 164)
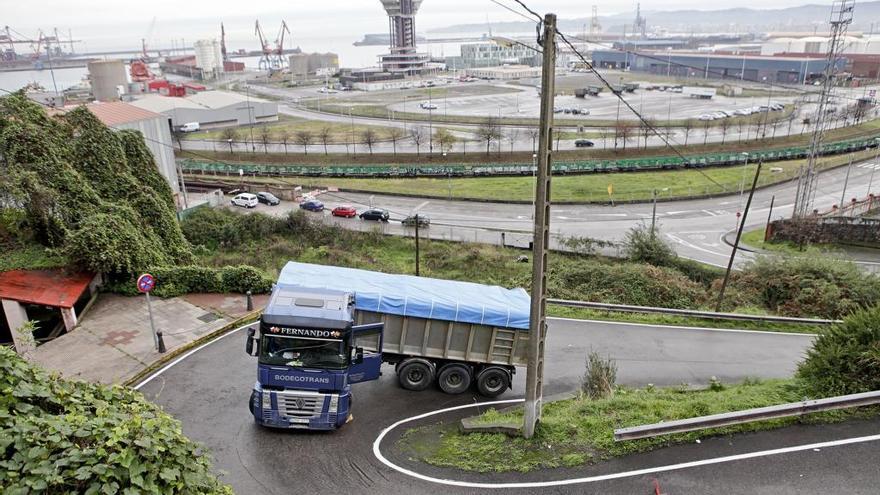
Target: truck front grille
point(299, 404)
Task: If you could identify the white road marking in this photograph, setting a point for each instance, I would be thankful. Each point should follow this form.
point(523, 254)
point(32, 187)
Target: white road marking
point(592, 479)
point(692, 246)
point(711, 214)
point(186, 355)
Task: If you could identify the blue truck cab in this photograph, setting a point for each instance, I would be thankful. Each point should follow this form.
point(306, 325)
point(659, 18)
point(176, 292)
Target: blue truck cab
point(308, 358)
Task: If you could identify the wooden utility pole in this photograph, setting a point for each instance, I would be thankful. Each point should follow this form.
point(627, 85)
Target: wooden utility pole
point(418, 264)
point(739, 232)
point(537, 317)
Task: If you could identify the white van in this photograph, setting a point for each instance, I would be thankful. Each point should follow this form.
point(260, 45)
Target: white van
point(245, 200)
point(189, 127)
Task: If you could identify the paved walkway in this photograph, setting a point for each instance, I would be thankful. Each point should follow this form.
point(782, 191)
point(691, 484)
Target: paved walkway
point(113, 342)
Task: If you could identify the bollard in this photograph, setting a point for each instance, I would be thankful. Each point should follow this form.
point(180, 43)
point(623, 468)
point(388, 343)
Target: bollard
point(503, 242)
point(161, 342)
point(250, 301)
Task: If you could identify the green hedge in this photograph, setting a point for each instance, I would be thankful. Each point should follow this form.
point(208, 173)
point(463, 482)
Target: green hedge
point(173, 281)
point(60, 436)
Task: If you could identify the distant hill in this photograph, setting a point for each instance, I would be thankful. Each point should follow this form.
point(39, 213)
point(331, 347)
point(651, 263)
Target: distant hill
point(802, 18)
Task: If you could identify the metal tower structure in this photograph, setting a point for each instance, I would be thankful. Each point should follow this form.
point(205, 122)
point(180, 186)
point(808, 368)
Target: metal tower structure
point(841, 18)
point(595, 27)
point(640, 24)
point(401, 22)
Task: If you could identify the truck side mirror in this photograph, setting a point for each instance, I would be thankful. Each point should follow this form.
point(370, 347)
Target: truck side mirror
point(358, 355)
point(249, 343)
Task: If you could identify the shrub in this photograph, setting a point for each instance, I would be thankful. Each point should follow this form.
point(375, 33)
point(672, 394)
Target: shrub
point(600, 376)
point(624, 283)
point(641, 245)
point(808, 286)
point(244, 278)
point(60, 436)
point(845, 358)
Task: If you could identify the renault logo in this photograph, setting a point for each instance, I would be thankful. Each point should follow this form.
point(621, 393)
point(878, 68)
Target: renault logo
point(299, 403)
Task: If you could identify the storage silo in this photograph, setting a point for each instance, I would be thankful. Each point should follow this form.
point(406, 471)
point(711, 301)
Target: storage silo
point(107, 76)
point(208, 57)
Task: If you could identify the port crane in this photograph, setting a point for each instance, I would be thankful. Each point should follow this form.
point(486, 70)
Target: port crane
point(272, 57)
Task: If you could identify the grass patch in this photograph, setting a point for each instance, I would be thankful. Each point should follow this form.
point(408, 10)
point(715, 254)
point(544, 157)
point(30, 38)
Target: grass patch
point(340, 133)
point(579, 431)
point(633, 186)
point(674, 320)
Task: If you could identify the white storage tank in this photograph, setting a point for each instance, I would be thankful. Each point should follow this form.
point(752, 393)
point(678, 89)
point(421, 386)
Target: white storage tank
point(208, 57)
point(106, 77)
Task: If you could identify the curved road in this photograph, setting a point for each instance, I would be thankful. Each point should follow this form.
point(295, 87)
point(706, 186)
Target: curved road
point(695, 228)
point(208, 393)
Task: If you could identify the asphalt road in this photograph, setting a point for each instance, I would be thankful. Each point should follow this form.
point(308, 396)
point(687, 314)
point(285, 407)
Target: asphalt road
point(208, 392)
point(695, 228)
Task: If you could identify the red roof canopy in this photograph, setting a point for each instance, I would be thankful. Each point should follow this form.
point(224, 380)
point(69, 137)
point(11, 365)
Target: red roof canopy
point(44, 287)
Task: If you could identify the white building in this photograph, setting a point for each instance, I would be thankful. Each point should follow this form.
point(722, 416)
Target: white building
point(505, 72)
point(853, 45)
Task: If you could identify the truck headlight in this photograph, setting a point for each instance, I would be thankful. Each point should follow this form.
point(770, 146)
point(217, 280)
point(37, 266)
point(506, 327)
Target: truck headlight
point(267, 399)
point(334, 403)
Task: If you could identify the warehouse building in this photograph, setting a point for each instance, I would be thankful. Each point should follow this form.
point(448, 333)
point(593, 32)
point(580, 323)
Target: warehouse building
point(211, 109)
point(303, 65)
point(505, 72)
point(716, 66)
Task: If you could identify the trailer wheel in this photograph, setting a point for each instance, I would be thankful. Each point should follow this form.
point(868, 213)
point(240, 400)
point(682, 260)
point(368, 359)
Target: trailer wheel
point(415, 374)
point(454, 378)
point(493, 381)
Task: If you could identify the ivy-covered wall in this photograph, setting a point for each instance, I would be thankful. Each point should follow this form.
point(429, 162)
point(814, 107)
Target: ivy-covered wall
point(90, 193)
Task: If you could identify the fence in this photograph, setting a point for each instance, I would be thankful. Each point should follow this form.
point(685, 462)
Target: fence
point(507, 169)
point(747, 416)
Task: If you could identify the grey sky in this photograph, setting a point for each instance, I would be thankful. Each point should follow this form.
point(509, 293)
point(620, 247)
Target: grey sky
point(312, 16)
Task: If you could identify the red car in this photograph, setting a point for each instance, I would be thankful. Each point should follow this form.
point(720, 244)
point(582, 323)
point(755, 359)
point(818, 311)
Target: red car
point(344, 211)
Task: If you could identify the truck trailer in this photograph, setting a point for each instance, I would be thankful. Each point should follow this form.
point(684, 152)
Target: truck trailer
point(326, 328)
point(698, 92)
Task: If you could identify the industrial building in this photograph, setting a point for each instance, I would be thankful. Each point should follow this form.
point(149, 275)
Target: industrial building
point(211, 108)
point(187, 66)
point(718, 66)
point(505, 72)
point(494, 53)
point(303, 65)
point(108, 79)
point(402, 56)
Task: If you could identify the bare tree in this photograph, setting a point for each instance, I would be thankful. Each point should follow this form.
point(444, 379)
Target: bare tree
point(265, 136)
point(304, 138)
point(707, 124)
point(557, 135)
point(740, 125)
point(489, 131)
point(395, 134)
point(791, 118)
point(230, 135)
point(723, 126)
point(417, 136)
point(512, 136)
point(624, 132)
point(534, 132)
point(324, 135)
point(647, 129)
point(284, 137)
point(444, 139)
point(369, 138)
point(686, 127)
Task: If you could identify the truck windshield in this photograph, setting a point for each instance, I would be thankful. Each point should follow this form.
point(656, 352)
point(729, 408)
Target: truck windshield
point(301, 352)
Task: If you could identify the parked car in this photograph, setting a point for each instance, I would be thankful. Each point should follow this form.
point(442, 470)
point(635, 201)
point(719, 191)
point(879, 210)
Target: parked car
point(584, 111)
point(344, 211)
point(584, 143)
point(706, 116)
point(377, 214)
point(742, 111)
point(427, 106)
point(268, 198)
point(557, 110)
point(245, 200)
point(410, 221)
point(312, 205)
point(566, 110)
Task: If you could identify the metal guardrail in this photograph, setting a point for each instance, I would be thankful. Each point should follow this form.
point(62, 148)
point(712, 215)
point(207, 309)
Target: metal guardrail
point(709, 315)
point(747, 416)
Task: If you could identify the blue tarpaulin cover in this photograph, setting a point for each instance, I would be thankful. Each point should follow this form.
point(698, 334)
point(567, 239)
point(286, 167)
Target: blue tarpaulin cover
point(421, 297)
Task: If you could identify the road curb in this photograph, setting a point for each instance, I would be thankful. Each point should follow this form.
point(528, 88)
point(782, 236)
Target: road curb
point(170, 356)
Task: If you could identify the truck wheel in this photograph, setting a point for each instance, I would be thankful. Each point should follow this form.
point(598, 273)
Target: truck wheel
point(415, 374)
point(493, 381)
point(454, 378)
